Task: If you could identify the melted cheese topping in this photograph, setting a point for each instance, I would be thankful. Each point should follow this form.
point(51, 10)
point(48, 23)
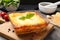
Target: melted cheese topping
point(33, 21)
point(36, 19)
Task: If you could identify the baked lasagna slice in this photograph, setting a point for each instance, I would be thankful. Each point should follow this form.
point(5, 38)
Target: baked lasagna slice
point(27, 22)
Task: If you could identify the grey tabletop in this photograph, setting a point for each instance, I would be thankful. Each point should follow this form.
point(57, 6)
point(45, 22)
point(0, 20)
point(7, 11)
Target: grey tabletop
point(53, 35)
point(1, 38)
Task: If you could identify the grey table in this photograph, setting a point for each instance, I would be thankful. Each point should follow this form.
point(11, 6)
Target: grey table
point(53, 35)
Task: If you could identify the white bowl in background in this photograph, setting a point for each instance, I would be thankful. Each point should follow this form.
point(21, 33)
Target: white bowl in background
point(45, 9)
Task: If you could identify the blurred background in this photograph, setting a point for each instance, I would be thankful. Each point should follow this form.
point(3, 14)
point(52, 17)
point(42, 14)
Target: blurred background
point(36, 1)
point(32, 4)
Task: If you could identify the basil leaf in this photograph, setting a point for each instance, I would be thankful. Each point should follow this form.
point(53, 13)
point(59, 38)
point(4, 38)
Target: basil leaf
point(22, 18)
point(28, 16)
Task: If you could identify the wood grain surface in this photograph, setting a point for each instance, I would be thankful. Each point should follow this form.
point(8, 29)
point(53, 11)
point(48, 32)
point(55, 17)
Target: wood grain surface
point(12, 35)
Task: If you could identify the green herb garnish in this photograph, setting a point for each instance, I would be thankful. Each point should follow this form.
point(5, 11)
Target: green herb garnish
point(22, 18)
point(28, 16)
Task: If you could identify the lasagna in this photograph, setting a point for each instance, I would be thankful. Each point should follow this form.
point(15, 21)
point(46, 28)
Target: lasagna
point(27, 22)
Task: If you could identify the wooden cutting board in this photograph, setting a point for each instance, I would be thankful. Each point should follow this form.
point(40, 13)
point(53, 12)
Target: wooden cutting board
point(12, 35)
point(54, 19)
